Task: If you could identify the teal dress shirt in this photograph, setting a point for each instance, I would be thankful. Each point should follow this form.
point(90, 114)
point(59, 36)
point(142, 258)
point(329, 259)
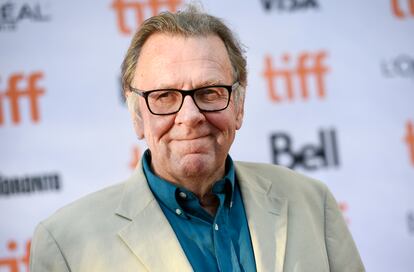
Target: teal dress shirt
point(211, 243)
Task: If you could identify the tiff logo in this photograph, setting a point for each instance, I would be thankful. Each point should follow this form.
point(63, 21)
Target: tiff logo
point(343, 206)
point(14, 93)
point(409, 140)
point(402, 8)
point(14, 262)
point(138, 8)
point(289, 5)
point(308, 66)
point(310, 156)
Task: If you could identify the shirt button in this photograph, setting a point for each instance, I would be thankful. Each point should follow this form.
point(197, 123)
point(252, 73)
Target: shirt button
point(182, 195)
point(231, 204)
point(178, 211)
point(216, 227)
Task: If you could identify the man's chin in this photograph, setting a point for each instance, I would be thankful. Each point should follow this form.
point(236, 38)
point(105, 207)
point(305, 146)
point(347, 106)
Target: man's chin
point(196, 164)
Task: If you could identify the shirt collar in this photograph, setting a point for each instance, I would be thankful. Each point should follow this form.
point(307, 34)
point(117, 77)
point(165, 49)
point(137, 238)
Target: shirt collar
point(167, 192)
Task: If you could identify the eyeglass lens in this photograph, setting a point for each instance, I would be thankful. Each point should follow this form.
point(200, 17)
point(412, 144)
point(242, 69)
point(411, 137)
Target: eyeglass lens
point(207, 99)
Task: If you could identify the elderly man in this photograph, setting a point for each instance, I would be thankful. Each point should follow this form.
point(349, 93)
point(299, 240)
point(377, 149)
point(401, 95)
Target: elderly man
point(188, 206)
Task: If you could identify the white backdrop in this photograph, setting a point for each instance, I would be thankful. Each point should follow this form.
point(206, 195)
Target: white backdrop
point(65, 131)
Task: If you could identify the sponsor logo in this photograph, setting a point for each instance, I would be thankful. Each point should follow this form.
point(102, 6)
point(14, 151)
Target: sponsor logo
point(289, 5)
point(12, 14)
point(323, 154)
point(409, 140)
point(136, 156)
point(410, 222)
point(343, 206)
point(14, 262)
point(140, 10)
point(401, 66)
point(402, 8)
point(14, 93)
point(29, 184)
point(288, 84)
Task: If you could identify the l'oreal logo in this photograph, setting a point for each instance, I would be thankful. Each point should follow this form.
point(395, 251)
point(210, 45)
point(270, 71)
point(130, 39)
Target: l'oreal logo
point(11, 14)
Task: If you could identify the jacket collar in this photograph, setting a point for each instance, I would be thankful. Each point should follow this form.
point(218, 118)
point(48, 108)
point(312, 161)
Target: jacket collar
point(148, 223)
point(267, 218)
point(266, 215)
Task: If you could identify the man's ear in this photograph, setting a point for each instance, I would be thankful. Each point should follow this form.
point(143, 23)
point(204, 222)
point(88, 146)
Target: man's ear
point(136, 117)
point(240, 107)
point(239, 114)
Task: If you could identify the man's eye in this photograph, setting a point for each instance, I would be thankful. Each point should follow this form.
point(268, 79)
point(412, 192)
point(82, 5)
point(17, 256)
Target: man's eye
point(165, 96)
point(209, 94)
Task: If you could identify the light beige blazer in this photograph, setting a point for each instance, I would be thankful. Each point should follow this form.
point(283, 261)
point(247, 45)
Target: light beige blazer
point(294, 222)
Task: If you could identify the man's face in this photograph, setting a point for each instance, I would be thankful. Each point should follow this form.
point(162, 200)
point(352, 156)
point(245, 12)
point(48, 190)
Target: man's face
point(188, 144)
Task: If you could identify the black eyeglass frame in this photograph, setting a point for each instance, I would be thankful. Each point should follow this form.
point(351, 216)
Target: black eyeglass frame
point(184, 93)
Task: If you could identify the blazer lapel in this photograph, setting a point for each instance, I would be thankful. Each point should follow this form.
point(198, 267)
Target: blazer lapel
point(267, 220)
point(149, 234)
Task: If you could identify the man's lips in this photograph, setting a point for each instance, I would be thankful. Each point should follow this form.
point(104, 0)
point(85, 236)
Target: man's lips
point(191, 138)
point(194, 145)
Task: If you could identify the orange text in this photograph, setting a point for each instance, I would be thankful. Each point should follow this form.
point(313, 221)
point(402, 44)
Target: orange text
point(409, 139)
point(138, 8)
point(402, 8)
point(14, 93)
point(13, 263)
point(307, 66)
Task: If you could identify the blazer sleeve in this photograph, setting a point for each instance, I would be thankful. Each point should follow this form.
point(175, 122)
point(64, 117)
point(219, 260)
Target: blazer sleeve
point(45, 254)
point(342, 253)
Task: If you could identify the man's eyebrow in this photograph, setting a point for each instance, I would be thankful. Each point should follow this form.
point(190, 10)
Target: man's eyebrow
point(205, 83)
point(210, 82)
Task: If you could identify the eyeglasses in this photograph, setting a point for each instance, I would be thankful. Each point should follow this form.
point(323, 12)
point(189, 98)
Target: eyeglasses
point(169, 101)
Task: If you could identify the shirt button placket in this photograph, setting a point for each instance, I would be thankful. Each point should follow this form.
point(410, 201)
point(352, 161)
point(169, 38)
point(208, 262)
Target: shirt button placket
point(182, 195)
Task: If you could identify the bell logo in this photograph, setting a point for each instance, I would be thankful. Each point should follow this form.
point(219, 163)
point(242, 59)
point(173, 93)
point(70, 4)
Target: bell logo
point(409, 140)
point(310, 156)
point(277, 76)
point(138, 8)
point(402, 8)
point(14, 93)
point(14, 262)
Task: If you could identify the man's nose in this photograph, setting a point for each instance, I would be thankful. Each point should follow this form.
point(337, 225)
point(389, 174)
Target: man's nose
point(189, 113)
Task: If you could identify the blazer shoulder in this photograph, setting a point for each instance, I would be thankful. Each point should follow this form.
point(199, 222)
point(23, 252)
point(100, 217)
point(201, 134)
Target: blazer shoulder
point(91, 204)
point(283, 181)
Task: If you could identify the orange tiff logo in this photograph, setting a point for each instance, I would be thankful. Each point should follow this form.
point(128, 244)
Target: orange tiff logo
point(296, 80)
point(409, 139)
point(14, 93)
point(13, 263)
point(402, 8)
point(343, 206)
point(139, 8)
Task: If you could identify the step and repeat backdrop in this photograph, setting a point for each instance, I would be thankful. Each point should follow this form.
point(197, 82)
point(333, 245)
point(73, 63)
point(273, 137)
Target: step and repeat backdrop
point(330, 94)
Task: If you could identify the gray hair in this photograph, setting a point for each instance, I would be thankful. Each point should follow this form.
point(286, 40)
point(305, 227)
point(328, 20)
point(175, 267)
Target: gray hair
point(190, 22)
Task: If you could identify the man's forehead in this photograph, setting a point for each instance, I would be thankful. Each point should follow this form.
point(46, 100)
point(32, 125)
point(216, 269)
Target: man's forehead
point(163, 43)
point(174, 60)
